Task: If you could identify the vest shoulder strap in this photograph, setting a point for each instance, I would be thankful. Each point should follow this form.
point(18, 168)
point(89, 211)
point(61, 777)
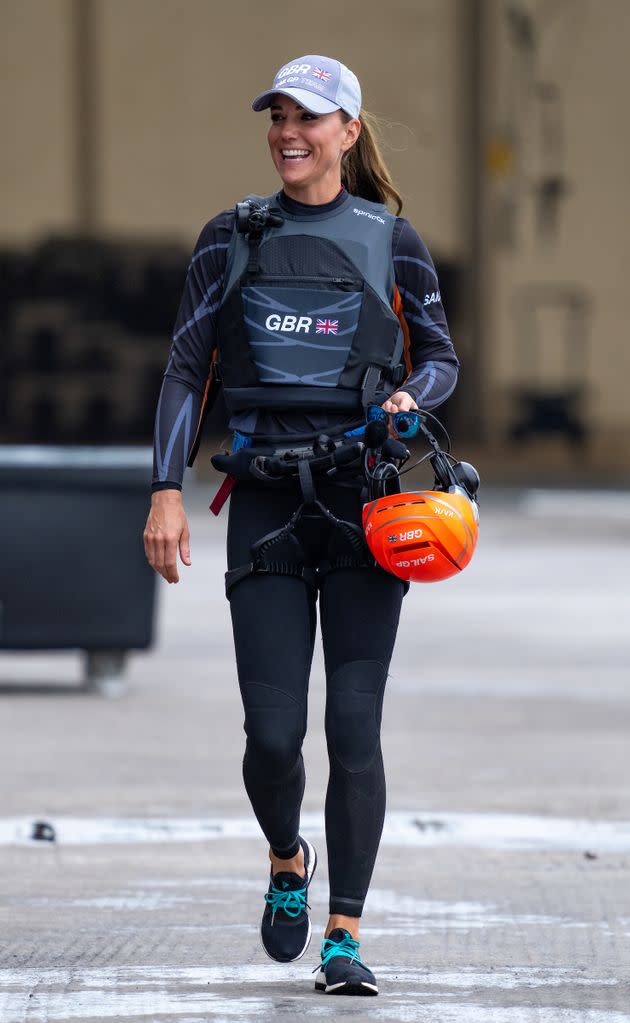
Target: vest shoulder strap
point(264, 201)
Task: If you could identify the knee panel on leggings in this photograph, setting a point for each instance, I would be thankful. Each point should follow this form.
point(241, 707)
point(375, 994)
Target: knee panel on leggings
point(275, 726)
point(353, 713)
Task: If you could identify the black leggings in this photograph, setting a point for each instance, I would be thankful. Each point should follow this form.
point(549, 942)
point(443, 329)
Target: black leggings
point(274, 621)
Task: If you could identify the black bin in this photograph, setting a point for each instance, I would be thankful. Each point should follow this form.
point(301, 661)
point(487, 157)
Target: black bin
point(72, 567)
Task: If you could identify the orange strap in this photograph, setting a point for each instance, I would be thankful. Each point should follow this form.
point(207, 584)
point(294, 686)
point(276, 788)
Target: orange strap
point(397, 306)
point(202, 412)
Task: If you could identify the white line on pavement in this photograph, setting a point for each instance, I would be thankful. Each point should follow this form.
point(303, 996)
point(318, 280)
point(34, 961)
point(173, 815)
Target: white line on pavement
point(575, 504)
point(156, 991)
point(478, 830)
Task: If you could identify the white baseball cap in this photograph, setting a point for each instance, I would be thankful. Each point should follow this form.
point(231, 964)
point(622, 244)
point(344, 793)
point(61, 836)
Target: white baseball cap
point(319, 84)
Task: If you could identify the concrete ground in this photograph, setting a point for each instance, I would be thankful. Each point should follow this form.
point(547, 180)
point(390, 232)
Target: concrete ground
point(502, 889)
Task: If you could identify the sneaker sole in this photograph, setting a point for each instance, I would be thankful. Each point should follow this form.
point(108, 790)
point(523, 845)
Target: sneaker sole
point(310, 870)
point(312, 861)
point(345, 987)
point(285, 962)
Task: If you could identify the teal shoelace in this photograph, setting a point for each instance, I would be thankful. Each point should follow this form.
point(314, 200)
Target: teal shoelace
point(292, 902)
point(348, 947)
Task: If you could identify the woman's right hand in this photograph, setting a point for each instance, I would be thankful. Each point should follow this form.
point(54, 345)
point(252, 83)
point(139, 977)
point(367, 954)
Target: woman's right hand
point(167, 531)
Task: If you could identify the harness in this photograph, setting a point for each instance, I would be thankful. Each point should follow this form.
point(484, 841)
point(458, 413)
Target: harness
point(325, 458)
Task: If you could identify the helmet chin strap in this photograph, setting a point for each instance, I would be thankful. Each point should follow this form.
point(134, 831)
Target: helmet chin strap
point(389, 456)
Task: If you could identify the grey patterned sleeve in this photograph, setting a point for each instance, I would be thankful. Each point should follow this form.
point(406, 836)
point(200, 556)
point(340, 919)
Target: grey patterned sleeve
point(194, 340)
point(434, 363)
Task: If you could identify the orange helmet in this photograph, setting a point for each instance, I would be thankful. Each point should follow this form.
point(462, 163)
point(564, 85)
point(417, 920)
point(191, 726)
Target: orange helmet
point(422, 536)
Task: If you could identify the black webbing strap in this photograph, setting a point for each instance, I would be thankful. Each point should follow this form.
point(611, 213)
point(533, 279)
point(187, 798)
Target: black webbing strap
point(260, 547)
point(343, 561)
point(260, 565)
point(236, 575)
point(371, 381)
point(353, 534)
point(305, 477)
point(349, 530)
point(253, 239)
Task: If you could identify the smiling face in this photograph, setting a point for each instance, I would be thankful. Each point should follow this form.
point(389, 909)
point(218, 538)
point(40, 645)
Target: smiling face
point(307, 149)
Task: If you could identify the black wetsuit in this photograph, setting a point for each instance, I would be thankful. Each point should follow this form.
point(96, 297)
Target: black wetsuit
point(274, 616)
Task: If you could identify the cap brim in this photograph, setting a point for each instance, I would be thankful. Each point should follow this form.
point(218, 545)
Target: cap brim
point(309, 100)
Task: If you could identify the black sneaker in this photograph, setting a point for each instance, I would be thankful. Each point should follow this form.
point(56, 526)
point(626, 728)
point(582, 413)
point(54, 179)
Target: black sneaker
point(342, 972)
point(285, 930)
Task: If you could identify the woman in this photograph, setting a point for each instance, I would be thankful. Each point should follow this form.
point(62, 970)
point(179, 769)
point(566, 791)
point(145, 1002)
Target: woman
point(300, 312)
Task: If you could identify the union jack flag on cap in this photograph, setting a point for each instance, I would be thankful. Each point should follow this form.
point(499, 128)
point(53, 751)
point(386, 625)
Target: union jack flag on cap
point(319, 84)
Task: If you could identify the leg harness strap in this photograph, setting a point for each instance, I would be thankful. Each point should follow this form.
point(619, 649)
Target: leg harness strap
point(235, 575)
point(353, 534)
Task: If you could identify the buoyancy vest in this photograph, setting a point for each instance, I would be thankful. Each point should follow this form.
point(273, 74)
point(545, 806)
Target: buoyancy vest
point(306, 319)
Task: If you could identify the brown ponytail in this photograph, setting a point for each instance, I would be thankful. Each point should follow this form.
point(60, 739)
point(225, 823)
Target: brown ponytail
point(363, 169)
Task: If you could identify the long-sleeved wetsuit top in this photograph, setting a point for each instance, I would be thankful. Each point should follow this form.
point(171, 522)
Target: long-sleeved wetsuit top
point(434, 365)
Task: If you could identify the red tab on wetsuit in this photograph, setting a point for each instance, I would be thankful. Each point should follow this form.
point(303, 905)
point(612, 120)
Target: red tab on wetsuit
point(222, 494)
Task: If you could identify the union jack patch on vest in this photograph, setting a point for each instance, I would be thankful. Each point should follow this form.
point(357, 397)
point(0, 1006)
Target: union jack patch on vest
point(327, 326)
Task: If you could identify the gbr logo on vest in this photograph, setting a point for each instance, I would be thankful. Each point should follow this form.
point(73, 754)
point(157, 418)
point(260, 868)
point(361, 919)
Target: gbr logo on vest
point(300, 324)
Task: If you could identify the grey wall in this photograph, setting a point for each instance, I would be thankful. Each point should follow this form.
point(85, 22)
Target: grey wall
point(36, 118)
point(165, 88)
point(175, 137)
point(581, 52)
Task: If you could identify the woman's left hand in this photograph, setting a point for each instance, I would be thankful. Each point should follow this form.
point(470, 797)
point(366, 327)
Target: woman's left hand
point(400, 401)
